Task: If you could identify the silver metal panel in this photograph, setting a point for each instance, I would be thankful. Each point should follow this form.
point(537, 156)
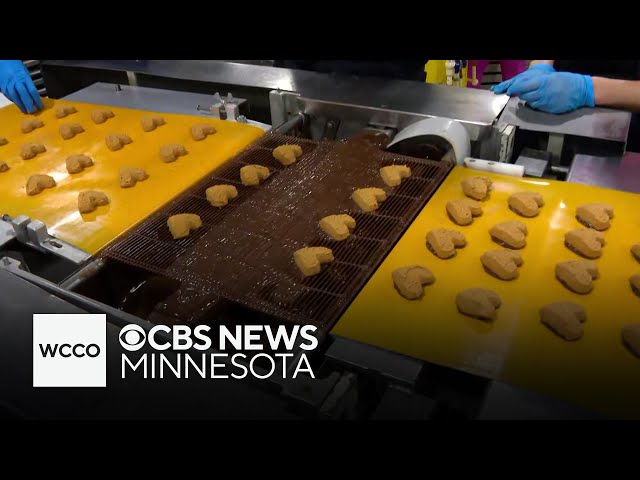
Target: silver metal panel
point(503, 402)
point(619, 173)
point(600, 123)
point(151, 99)
point(467, 105)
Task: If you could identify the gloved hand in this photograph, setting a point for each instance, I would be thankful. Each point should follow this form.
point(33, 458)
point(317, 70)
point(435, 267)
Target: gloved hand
point(557, 92)
point(17, 86)
point(531, 72)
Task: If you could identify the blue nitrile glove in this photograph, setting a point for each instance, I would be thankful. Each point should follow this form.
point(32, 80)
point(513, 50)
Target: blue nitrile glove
point(17, 86)
point(531, 72)
point(557, 92)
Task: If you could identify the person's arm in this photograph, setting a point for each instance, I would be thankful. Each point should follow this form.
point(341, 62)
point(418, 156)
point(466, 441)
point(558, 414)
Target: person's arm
point(624, 94)
point(537, 62)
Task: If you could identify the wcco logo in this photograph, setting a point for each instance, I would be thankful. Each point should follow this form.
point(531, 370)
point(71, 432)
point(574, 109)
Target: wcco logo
point(69, 350)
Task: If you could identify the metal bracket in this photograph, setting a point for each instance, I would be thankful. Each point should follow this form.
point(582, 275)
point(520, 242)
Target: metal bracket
point(507, 135)
point(555, 144)
point(225, 109)
point(11, 264)
point(34, 233)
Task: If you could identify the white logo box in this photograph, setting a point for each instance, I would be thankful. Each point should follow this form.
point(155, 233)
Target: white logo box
point(80, 345)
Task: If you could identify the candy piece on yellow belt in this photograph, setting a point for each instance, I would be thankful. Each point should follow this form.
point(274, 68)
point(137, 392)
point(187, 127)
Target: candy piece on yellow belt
point(37, 183)
point(89, 200)
point(77, 163)
point(129, 176)
point(502, 263)
point(29, 124)
point(150, 123)
point(252, 175)
point(510, 234)
point(170, 153)
point(338, 227)
point(101, 116)
point(70, 130)
point(410, 281)
point(183, 224)
point(310, 259)
point(634, 281)
point(476, 187)
point(585, 241)
point(4, 167)
point(595, 215)
point(3, 141)
point(631, 338)
point(462, 211)
point(577, 275)
point(392, 175)
point(287, 154)
point(479, 303)
point(116, 141)
point(635, 251)
point(65, 110)
point(565, 319)
point(368, 199)
point(526, 204)
point(219, 195)
point(443, 242)
point(200, 131)
point(30, 150)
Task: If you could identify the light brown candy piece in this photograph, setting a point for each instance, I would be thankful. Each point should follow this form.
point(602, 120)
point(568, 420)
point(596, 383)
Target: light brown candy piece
point(89, 200)
point(252, 175)
point(129, 176)
point(170, 153)
point(502, 263)
point(101, 116)
point(219, 195)
point(393, 175)
point(526, 204)
point(70, 130)
point(4, 167)
point(595, 215)
point(368, 199)
point(410, 281)
point(287, 154)
point(477, 187)
point(150, 123)
point(585, 242)
point(634, 281)
point(116, 141)
point(77, 163)
point(480, 303)
point(65, 110)
point(510, 234)
point(30, 150)
point(565, 319)
point(38, 183)
point(310, 259)
point(200, 131)
point(577, 275)
point(462, 211)
point(29, 124)
point(635, 251)
point(338, 227)
point(443, 242)
point(183, 224)
point(631, 338)
point(3, 141)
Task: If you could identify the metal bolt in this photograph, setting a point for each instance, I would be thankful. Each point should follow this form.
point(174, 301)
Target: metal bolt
point(242, 119)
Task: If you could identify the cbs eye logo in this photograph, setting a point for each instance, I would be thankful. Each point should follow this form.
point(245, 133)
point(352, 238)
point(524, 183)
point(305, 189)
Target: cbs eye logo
point(132, 337)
